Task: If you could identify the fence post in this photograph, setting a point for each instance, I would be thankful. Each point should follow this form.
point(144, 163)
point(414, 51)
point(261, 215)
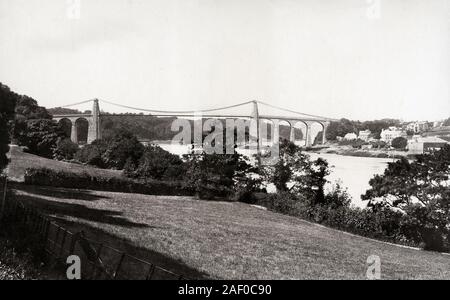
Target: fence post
point(61, 252)
point(55, 242)
point(118, 265)
point(95, 266)
point(75, 238)
point(46, 230)
point(150, 272)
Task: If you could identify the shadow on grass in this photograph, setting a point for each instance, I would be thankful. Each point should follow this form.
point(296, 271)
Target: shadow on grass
point(60, 211)
point(61, 193)
point(78, 211)
point(127, 246)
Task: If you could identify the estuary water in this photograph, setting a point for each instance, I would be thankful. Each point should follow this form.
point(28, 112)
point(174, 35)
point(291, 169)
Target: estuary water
point(353, 173)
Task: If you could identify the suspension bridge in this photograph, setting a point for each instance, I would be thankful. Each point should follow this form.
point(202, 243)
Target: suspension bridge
point(291, 117)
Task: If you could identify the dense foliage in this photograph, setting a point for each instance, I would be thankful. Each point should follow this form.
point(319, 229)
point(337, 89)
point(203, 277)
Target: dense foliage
point(409, 203)
point(41, 136)
point(446, 122)
point(218, 175)
point(49, 177)
point(113, 152)
point(33, 127)
point(296, 173)
point(399, 143)
point(344, 126)
point(421, 190)
point(65, 149)
point(383, 224)
point(156, 163)
point(7, 104)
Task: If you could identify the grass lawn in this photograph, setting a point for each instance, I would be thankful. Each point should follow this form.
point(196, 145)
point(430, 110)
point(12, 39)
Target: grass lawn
point(227, 240)
point(20, 161)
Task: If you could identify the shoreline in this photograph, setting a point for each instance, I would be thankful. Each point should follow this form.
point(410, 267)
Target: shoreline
point(346, 151)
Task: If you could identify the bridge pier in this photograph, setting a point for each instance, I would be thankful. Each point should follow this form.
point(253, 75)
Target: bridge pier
point(324, 132)
point(74, 133)
point(309, 142)
point(276, 131)
point(292, 134)
point(93, 120)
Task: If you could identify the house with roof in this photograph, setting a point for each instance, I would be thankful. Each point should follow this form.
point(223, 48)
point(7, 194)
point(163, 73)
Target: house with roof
point(364, 135)
point(421, 145)
point(387, 135)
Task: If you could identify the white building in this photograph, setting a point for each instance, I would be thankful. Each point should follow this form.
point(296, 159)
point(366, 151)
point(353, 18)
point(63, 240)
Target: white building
point(387, 135)
point(420, 145)
point(350, 136)
point(418, 127)
point(364, 135)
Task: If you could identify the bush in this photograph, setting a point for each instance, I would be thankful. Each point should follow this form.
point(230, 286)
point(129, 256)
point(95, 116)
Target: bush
point(40, 136)
point(65, 149)
point(216, 175)
point(399, 143)
point(91, 155)
point(48, 177)
point(120, 148)
point(246, 190)
point(114, 153)
point(383, 224)
point(155, 163)
point(354, 143)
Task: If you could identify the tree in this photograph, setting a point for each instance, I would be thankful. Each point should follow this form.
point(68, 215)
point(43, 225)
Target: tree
point(65, 149)
point(121, 147)
point(446, 122)
point(41, 136)
point(156, 163)
point(399, 143)
point(34, 128)
point(92, 154)
point(218, 175)
point(290, 161)
point(7, 104)
point(340, 128)
point(421, 189)
point(305, 177)
point(377, 126)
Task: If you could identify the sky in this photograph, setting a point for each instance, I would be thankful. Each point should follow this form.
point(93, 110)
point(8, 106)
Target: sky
point(358, 59)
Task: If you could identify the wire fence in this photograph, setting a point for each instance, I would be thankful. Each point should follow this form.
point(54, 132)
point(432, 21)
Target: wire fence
point(98, 260)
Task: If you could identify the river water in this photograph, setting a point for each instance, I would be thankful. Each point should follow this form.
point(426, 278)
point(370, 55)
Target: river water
point(353, 173)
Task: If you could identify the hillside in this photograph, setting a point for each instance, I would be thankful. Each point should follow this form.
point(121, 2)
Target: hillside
point(228, 240)
point(20, 161)
point(219, 239)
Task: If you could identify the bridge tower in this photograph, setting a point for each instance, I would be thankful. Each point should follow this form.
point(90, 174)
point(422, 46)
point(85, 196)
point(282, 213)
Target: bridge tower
point(255, 116)
point(94, 123)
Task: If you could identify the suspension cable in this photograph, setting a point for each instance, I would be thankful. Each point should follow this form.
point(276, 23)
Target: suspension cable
point(73, 104)
point(197, 111)
point(292, 111)
point(177, 112)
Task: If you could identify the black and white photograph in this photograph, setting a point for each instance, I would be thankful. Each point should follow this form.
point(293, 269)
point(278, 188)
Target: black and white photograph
point(236, 141)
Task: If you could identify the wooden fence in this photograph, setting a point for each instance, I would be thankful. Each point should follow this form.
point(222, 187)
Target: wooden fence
point(98, 260)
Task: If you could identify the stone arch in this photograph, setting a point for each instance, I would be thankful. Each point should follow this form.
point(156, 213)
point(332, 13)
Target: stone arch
point(285, 127)
point(317, 131)
point(82, 130)
point(66, 126)
point(300, 132)
point(266, 130)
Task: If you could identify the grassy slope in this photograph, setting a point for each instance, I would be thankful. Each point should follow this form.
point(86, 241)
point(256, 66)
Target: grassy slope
point(20, 161)
point(231, 240)
point(220, 239)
